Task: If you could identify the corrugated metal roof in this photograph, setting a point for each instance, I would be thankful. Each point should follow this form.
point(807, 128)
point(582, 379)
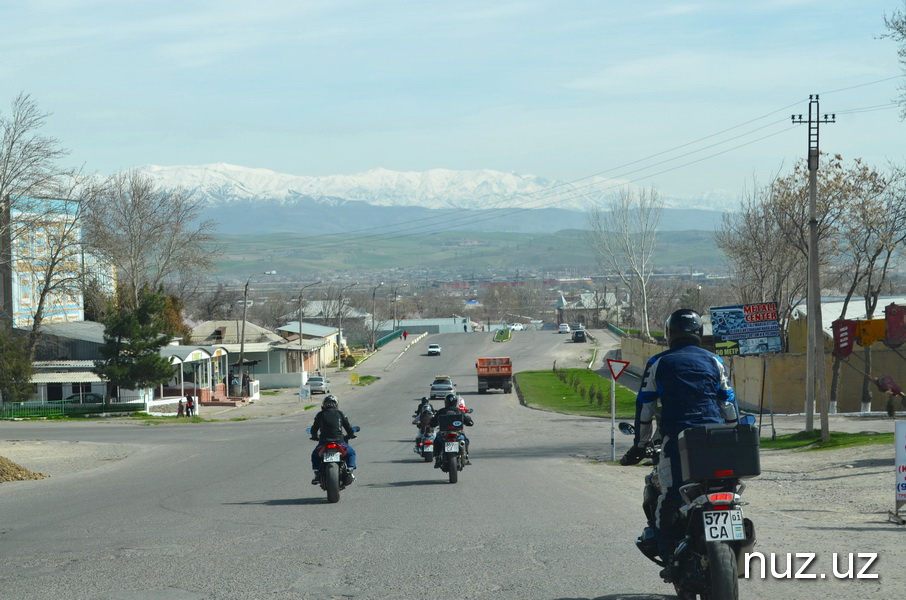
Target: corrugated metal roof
point(309, 329)
point(72, 377)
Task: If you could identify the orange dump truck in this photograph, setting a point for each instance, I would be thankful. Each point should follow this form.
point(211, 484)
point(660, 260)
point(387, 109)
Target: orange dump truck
point(494, 374)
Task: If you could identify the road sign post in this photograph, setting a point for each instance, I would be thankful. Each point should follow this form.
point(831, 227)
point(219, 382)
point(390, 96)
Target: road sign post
point(616, 369)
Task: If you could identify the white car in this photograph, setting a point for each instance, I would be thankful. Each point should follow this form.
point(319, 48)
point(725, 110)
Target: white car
point(433, 349)
point(319, 384)
point(515, 326)
point(563, 328)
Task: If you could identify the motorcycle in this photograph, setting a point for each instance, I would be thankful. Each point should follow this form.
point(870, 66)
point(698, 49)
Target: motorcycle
point(334, 472)
point(424, 441)
point(715, 534)
point(424, 444)
point(454, 457)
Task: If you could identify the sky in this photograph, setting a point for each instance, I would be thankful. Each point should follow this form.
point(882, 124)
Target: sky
point(691, 98)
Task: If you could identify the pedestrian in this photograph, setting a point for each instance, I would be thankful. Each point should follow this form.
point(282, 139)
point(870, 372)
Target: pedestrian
point(405, 335)
point(245, 383)
point(465, 329)
point(181, 409)
point(190, 405)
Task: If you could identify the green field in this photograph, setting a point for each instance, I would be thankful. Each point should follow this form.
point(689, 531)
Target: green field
point(467, 252)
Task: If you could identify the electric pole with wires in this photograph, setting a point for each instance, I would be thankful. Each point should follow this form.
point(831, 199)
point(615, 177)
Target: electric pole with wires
point(815, 384)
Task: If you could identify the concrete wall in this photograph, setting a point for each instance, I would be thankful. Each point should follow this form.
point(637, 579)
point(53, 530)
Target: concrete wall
point(778, 380)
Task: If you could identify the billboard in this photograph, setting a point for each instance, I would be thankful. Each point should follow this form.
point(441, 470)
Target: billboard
point(746, 329)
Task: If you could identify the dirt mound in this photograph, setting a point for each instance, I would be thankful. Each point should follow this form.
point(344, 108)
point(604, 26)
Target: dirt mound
point(10, 471)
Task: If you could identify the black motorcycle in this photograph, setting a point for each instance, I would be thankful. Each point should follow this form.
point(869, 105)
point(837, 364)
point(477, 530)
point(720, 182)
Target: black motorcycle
point(335, 474)
point(715, 534)
point(451, 441)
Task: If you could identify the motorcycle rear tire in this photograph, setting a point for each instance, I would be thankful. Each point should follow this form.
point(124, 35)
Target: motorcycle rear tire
point(453, 467)
point(332, 482)
point(428, 457)
point(724, 573)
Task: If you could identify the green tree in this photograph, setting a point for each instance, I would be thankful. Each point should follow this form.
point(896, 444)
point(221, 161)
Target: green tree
point(15, 368)
point(133, 338)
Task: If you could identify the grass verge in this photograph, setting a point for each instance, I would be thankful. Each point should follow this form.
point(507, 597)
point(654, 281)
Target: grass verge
point(811, 440)
point(561, 392)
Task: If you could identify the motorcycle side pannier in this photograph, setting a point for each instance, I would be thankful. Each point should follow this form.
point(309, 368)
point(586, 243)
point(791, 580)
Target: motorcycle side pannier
point(716, 450)
point(446, 422)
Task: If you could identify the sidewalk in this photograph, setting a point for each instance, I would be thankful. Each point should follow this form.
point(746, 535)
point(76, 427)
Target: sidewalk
point(285, 401)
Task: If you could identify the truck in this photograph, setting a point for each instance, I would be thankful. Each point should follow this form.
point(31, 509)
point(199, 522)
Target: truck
point(494, 373)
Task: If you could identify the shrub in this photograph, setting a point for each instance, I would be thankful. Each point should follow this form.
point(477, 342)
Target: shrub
point(349, 361)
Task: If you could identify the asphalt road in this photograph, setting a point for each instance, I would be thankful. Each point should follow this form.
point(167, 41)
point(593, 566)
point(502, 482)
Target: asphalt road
point(225, 510)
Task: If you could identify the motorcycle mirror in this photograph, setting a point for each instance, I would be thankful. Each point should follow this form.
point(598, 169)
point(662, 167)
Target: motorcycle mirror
point(626, 428)
point(747, 420)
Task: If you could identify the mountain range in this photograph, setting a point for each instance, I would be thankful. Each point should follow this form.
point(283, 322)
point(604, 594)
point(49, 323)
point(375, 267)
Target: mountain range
point(255, 200)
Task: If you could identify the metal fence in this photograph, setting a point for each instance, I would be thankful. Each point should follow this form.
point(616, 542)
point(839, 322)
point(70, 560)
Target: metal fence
point(60, 408)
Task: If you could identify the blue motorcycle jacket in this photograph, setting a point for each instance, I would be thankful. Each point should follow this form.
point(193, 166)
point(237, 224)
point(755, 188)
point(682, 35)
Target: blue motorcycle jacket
point(693, 388)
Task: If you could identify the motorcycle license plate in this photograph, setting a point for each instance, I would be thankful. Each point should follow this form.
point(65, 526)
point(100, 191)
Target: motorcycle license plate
point(723, 525)
point(331, 457)
point(452, 447)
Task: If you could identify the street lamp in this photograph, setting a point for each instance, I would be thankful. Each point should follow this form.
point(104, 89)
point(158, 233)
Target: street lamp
point(301, 355)
point(373, 322)
point(393, 298)
point(245, 307)
point(340, 315)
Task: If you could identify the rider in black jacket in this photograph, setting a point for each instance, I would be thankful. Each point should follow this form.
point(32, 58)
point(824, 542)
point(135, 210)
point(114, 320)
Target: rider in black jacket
point(451, 406)
point(328, 427)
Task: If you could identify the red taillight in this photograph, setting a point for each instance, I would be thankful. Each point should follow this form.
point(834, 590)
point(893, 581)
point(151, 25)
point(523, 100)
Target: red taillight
point(720, 497)
point(725, 473)
point(332, 445)
point(720, 507)
point(428, 443)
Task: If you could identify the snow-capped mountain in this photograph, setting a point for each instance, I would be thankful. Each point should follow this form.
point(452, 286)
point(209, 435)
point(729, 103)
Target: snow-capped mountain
point(223, 184)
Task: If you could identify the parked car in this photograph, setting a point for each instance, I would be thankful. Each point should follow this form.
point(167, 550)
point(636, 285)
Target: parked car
point(580, 335)
point(515, 326)
point(563, 328)
point(319, 384)
point(433, 349)
point(441, 386)
point(87, 397)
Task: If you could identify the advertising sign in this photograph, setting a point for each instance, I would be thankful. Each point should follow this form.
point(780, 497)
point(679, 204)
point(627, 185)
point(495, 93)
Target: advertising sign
point(900, 437)
point(746, 329)
point(844, 336)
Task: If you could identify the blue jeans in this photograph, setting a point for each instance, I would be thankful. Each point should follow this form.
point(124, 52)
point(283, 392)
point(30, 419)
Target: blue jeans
point(316, 458)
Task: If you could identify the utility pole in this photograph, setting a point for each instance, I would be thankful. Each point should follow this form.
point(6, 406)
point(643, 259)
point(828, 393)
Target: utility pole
point(815, 384)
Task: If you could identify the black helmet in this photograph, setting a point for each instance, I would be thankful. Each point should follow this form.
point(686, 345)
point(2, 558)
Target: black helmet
point(451, 400)
point(330, 401)
point(684, 325)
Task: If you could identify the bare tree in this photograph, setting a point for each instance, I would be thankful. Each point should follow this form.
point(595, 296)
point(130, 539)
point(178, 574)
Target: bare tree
point(764, 265)
point(28, 173)
point(896, 30)
point(872, 232)
point(214, 304)
point(624, 239)
point(274, 310)
point(149, 234)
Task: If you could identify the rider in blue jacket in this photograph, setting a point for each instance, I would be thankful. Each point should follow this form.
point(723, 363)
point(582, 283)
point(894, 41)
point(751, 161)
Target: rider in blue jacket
point(693, 388)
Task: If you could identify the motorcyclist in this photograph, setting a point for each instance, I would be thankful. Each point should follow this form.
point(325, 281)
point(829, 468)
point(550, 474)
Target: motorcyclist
point(451, 407)
point(328, 427)
point(423, 414)
point(693, 388)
